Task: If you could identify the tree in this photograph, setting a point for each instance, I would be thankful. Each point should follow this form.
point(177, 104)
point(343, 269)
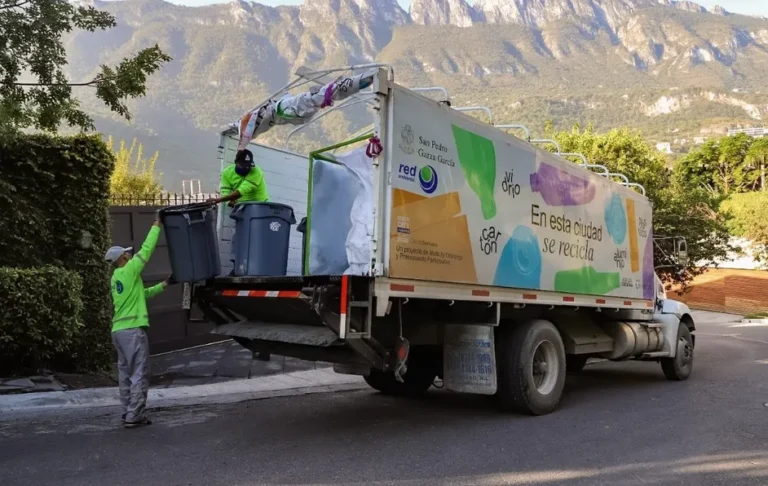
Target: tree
point(34, 91)
point(690, 213)
point(719, 166)
point(757, 158)
point(134, 177)
point(745, 215)
point(733, 173)
point(697, 168)
point(679, 210)
point(620, 150)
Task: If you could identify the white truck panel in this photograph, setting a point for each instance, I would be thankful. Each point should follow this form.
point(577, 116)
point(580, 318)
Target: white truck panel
point(474, 205)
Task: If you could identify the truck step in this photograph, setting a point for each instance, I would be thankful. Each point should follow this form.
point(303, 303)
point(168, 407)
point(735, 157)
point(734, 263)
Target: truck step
point(284, 333)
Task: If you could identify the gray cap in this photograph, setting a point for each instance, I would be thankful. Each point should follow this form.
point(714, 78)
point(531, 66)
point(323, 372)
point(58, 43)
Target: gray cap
point(115, 252)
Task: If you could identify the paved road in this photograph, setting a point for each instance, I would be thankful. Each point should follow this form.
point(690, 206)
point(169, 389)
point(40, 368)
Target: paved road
point(620, 424)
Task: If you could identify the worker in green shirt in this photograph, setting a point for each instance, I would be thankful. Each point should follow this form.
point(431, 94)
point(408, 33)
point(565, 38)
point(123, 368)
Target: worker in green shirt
point(240, 183)
point(130, 323)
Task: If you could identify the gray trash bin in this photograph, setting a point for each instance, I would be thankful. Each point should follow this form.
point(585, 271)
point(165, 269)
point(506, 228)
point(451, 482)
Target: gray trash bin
point(193, 245)
point(262, 232)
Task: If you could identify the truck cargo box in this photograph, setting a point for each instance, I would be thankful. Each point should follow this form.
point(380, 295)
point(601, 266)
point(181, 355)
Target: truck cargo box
point(472, 204)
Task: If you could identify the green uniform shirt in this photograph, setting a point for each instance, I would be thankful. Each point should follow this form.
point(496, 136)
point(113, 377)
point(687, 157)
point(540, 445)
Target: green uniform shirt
point(128, 293)
point(252, 187)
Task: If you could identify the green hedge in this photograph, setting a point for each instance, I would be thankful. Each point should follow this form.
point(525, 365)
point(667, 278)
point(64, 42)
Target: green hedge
point(40, 316)
point(52, 191)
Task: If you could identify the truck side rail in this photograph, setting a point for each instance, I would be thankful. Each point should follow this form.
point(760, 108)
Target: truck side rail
point(484, 109)
point(558, 151)
point(516, 127)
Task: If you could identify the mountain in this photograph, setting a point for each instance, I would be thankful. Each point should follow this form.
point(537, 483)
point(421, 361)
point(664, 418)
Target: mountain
point(670, 68)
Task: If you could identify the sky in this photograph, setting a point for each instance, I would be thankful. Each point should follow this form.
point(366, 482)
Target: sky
point(753, 7)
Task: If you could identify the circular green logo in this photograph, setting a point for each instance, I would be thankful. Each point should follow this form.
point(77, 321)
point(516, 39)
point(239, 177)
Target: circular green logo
point(428, 179)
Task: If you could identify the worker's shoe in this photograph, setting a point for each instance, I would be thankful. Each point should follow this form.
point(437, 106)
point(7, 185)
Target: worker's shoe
point(137, 423)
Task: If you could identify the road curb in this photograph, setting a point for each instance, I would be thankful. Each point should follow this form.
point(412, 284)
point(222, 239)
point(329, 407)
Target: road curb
point(754, 321)
point(297, 383)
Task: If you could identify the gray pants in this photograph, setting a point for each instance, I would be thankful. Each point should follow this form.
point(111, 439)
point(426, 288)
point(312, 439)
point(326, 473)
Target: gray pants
point(132, 348)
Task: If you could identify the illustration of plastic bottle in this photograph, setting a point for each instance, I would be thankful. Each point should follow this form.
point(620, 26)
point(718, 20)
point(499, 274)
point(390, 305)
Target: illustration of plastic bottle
point(615, 219)
point(477, 158)
point(586, 280)
point(520, 261)
point(634, 247)
point(649, 282)
point(561, 188)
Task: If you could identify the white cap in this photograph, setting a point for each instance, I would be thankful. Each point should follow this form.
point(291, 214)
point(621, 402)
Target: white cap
point(115, 252)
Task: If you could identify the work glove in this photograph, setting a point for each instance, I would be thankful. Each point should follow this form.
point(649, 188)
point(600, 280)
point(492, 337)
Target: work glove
point(172, 280)
point(157, 215)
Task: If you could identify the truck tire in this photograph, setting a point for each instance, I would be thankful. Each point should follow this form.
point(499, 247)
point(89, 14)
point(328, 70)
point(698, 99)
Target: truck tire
point(530, 359)
point(680, 367)
point(575, 362)
point(419, 377)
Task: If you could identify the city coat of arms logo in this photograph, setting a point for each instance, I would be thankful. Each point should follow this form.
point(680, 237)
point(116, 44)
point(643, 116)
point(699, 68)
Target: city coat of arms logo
point(407, 137)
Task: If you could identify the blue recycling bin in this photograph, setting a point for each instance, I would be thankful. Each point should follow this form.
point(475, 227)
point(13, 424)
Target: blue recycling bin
point(193, 244)
point(261, 240)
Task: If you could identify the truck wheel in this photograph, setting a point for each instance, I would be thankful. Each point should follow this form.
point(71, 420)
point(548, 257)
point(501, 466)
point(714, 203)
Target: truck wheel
point(680, 367)
point(531, 367)
point(575, 362)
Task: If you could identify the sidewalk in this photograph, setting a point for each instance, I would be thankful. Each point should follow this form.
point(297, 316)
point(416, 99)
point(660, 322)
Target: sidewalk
point(201, 365)
point(223, 372)
point(296, 383)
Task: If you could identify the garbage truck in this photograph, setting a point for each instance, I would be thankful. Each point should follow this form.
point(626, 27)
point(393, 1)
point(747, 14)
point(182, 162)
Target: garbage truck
point(440, 248)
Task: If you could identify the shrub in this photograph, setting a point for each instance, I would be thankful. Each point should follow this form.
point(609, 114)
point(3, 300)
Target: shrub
point(40, 315)
point(54, 191)
point(134, 176)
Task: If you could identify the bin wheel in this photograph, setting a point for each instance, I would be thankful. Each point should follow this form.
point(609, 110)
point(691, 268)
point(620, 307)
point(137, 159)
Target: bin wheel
point(531, 365)
point(575, 362)
point(680, 367)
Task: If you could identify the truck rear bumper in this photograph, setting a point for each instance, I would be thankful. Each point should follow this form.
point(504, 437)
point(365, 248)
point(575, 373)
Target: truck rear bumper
point(306, 318)
point(311, 343)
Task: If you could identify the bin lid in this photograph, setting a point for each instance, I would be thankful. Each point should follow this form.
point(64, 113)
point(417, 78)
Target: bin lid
point(263, 207)
point(187, 208)
point(273, 205)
